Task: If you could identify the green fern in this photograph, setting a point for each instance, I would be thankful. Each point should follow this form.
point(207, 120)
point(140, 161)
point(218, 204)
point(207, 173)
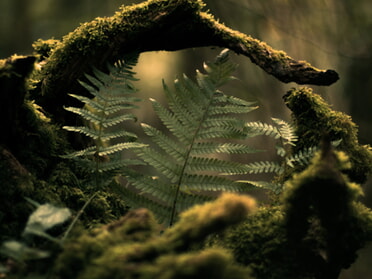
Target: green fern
point(112, 97)
point(263, 167)
point(286, 131)
point(202, 122)
point(199, 116)
point(258, 128)
point(303, 157)
point(281, 130)
point(274, 187)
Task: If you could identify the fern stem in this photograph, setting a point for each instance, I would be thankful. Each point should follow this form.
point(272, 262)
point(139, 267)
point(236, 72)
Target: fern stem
point(81, 211)
point(99, 143)
point(187, 157)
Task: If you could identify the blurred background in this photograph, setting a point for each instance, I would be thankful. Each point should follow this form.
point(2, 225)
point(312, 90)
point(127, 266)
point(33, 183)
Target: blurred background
point(330, 34)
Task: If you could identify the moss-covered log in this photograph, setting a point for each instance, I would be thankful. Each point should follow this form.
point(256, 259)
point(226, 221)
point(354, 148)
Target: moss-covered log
point(315, 232)
point(132, 248)
point(150, 26)
point(321, 203)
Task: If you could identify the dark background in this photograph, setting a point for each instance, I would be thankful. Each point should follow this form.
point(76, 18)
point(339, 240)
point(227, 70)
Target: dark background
point(330, 34)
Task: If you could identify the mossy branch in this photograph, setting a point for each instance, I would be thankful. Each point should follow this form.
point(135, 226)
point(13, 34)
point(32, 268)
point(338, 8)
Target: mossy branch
point(314, 118)
point(160, 25)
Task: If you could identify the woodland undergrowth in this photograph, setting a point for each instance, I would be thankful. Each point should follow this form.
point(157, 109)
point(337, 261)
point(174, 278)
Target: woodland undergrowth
point(200, 122)
point(173, 202)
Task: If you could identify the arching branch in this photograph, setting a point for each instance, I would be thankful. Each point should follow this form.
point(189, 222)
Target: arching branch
point(161, 25)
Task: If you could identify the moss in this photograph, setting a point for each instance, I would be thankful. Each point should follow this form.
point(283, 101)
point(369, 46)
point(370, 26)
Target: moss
point(319, 221)
point(314, 119)
point(81, 252)
point(321, 210)
point(101, 34)
point(202, 220)
point(64, 187)
point(210, 263)
point(133, 247)
point(260, 243)
point(44, 48)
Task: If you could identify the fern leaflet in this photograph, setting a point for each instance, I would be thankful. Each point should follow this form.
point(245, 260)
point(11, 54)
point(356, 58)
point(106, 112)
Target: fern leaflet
point(276, 188)
point(286, 131)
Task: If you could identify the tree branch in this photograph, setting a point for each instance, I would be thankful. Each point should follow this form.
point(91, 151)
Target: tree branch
point(160, 25)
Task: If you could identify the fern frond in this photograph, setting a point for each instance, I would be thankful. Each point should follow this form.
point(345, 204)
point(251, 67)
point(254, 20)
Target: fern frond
point(112, 97)
point(201, 122)
point(89, 151)
point(163, 164)
point(151, 186)
point(287, 131)
point(172, 122)
point(168, 145)
point(178, 109)
point(220, 132)
point(96, 82)
point(258, 128)
point(281, 130)
point(280, 151)
point(94, 134)
point(112, 121)
point(92, 150)
point(224, 121)
point(263, 167)
point(220, 72)
point(231, 109)
point(231, 100)
point(216, 147)
point(107, 150)
point(276, 188)
point(199, 119)
point(183, 104)
point(195, 182)
point(115, 165)
point(137, 200)
point(201, 164)
point(301, 158)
